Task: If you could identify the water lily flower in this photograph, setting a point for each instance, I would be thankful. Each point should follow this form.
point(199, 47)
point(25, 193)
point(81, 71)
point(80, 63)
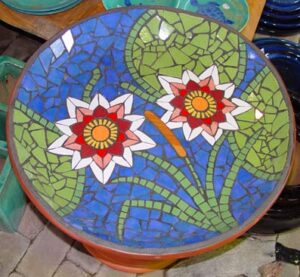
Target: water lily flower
point(200, 105)
point(101, 134)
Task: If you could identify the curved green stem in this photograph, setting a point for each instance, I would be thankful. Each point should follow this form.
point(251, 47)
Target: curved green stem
point(231, 177)
point(89, 87)
point(210, 191)
point(156, 205)
point(170, 196)
point(138, 92)
point(194, 174)
point(196, 194)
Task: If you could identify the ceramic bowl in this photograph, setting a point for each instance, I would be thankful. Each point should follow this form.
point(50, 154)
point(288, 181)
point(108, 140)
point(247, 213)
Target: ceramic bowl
point(150, 134)
point(234, 13)
point(38, 7)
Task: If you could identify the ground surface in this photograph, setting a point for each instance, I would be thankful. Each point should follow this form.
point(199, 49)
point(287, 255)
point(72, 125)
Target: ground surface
point(40, 250)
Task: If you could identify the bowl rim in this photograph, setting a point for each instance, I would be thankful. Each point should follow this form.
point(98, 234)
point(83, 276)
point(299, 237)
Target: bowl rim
point(149, 253)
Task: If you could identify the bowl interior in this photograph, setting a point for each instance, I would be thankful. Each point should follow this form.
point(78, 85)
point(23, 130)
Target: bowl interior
point(151, 128)
point(234, 13)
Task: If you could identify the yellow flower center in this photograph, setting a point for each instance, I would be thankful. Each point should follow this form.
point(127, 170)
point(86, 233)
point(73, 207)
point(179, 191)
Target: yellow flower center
point(200, 104)
point(100, 133)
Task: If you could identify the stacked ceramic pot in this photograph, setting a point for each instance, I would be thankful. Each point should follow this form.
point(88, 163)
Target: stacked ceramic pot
point(280, 17)
point(285, 56)
point(38, 7)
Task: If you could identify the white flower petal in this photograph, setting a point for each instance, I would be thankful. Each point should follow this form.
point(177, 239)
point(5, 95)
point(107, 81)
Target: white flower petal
point(98, 100)
point(125, 99)
point(174, 125)
point(187, 130)
point(258, 114)
point(189, 76)
point(227, 88)
point(58, 142)
point(164, 102)
point(146, 142)
point(242, 106)
point(126, 160)
point(137, 121)
point(195, 133)
point(63, 125)
point(84, 163)
point(61, 151)
point(76, 159)
point(211, 72)
point(165, 81)
point(190, 133)
point(210, 139)
point(102, 175)
point(73, 103)
point(166, 117)
point(230, 124)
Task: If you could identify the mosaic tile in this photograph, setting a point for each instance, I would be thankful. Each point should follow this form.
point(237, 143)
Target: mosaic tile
point(147, 128)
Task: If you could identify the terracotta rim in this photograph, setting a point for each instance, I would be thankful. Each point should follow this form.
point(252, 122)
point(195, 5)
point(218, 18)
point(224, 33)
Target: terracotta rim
point(150, 253)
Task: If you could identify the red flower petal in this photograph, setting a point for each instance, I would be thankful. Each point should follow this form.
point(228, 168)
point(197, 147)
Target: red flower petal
point(194, 122)
point(191, 85)
point(205, 89)
point(113, 116)
point(116, 149)
point(87, 151)
point(123, 125)
point(219, 117)
point(80, 140)
point(121, 137)
point(102, 152)
point(100, 112)
point(184, 112)
point(217, 94)
point(178, 102)
point(183, 92)
point(78, 128)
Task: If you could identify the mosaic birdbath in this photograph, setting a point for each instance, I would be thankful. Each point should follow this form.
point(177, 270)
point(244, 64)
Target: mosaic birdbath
point(150, 134)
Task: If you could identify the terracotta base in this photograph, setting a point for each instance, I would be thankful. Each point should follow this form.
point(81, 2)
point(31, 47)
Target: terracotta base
point(127, 264)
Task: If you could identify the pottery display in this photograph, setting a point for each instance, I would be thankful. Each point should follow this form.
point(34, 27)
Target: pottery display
point(150, 134)
point(39, 7)
point(234, 13)
point(280, 17)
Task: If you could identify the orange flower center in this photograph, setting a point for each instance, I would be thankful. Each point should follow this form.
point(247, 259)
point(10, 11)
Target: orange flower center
point(100, 133)
point(200, 104)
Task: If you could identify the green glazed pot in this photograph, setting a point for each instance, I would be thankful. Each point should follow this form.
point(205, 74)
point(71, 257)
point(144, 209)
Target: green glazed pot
point(234, 13)
point(39, 7)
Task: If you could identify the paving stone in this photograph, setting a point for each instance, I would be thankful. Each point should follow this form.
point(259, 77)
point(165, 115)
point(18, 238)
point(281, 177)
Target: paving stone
point(68, 269)
point(289, 270)
point(79, 256)
point(45, 254)
point(16, 274)
point(13, 246)
point(242, 257)
point(157, 273)
point(273, 269)
point(290, 239)
point(32, 222)
point(106, 271)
